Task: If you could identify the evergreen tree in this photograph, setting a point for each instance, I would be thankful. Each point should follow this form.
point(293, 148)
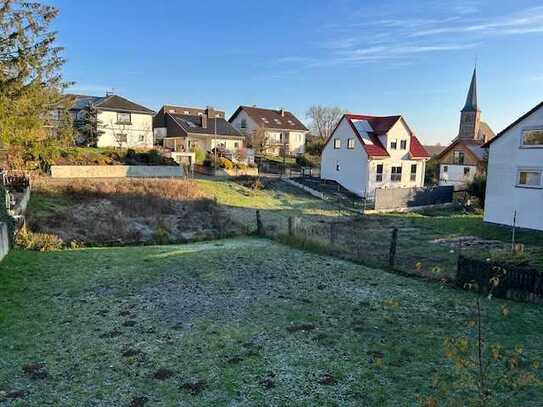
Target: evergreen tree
point(30, 80)
point(89, 127)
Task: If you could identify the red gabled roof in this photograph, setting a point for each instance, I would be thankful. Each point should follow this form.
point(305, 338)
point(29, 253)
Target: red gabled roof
point(416, 149)
point(381, 125)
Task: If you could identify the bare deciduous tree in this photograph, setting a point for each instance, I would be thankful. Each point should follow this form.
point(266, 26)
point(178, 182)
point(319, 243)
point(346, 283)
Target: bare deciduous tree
point(259, 140)
point(323, 120)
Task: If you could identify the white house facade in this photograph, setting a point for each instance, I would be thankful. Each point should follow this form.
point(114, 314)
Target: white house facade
point(514, 191)
point(369, 152)
point(282, 129)
point(121, 122)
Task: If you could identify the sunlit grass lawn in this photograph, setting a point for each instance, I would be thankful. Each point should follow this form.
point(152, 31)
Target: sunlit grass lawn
point(238, 322)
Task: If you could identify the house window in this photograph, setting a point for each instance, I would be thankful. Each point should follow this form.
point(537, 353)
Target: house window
point(123, 118)
point(337, 166)
point(236, 145)
point(394, 145)
point(466, 171)
point(350, 144)
point(142, 138)
point(396, 174)
point(122, 138)
point(530, 178)
point(413, 172)
point(532, 138)
point(337, 143)
point(403, 145)
point(445, 169)
point(458, 157)
point(379, 174)
point(243, 124)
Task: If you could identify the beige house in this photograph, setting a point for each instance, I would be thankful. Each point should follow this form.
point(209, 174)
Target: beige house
point(121, 122)
point(280, 129)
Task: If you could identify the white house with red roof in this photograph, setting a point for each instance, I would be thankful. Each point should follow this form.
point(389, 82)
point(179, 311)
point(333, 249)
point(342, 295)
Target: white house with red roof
point(368, 152)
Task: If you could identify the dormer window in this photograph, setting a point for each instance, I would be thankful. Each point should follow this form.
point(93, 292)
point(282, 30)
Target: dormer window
point(403, 145)
point(532, 138)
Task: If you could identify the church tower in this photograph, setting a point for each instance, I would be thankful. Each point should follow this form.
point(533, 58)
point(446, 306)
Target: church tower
point(470, 117)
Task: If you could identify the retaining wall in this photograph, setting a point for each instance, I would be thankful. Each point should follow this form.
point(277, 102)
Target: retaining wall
point(116, 171)
point(396, 198)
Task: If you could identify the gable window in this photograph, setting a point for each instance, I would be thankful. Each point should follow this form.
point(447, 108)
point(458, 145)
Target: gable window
point(337, 143)
point(394, 145)
point(350, 144)
point(379, 173)
point(458, 157)
point(532, 138)
point(243, 124)
point(403, 145)
point(445, 169)
point(396, 174)
point(530, 178)
point(466, 171)
point(123, 118)
point(413, 172)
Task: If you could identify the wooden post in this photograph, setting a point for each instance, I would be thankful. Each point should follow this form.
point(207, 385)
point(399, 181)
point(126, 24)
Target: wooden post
point(292, 225)
point(393, 245)
point(332, 233)
point(259, 225)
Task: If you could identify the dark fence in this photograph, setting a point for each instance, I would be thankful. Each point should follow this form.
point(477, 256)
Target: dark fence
point(501, 280)
point(396, 198)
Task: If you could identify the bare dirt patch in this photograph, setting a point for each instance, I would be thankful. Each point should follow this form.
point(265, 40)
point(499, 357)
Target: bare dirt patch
point(468, 242)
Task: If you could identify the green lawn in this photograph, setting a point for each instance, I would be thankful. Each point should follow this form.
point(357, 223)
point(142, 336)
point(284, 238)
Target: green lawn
point(237, 322)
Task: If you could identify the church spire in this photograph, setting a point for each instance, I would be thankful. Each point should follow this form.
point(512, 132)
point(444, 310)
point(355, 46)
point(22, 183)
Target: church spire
point(471, 100)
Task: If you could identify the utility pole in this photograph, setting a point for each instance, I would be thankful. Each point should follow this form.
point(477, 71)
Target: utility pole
point(284, 135)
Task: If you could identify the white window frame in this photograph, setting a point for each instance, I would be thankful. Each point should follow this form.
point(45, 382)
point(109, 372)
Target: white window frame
point(528, 129)
point(393, 175)
point(125, 122)
point(403, 144)
point(350, 144)
point(379, 175)
point(394, 143)
point(524, 169)
point(337, 143)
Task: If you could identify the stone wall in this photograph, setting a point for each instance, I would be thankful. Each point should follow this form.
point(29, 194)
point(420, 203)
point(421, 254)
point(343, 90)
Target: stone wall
point(399, 198)
point(116, 171)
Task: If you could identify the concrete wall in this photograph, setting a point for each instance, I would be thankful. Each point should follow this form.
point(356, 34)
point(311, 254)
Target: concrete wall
point(139, 133)
point(4, 240)
point(115, 171)
point(397, 198)
point(503, 194)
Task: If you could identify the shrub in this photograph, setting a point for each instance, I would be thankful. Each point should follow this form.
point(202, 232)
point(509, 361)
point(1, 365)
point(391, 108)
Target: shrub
point(225, 163)
point(477, 188)
point(307, 160)
point(199, 154)
point(314, 146)
point(42, 242)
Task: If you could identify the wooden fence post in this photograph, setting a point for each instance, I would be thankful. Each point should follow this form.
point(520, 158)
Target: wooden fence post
point(292, 225)
point(332, 233)
point(259, 225)
point(393, 245)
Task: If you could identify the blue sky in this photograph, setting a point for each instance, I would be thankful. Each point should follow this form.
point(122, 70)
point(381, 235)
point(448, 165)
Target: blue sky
point(410, 57)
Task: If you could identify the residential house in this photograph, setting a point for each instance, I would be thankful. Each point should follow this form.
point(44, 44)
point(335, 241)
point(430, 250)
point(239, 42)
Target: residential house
point(181, 129)
point(281, 130)
point(121, 122)
point(464, 158)
point(514, 189)
point(368, 152)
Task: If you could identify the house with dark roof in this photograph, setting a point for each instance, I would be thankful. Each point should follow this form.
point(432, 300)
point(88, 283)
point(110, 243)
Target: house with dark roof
point(277, 130)
point(181, 129)
point(514, 185)
point(367, 152)
point(464, 158)
point(121, 122)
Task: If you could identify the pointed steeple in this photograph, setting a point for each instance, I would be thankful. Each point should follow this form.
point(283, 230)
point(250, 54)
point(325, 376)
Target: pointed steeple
point(471, 100)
